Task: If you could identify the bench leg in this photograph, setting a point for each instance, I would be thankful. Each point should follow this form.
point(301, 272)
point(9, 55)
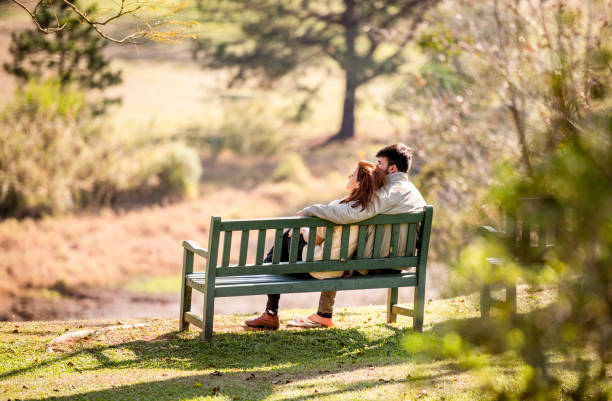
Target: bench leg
point(485, 301)
point(391, 300)
point(511, 298)
point(185, 306)
point(185, 290)
point(208, 314)
point(419, 307)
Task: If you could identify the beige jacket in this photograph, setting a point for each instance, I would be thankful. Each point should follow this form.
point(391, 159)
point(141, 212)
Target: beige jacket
point(335, 247)
point(398, 196)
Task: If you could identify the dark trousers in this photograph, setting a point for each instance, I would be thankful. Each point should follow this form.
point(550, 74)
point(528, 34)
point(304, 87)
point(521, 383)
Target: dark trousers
point(273, 299)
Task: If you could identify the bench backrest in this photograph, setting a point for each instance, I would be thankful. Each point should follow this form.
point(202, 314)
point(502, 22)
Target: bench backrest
point(533, 229)
point(419, 226)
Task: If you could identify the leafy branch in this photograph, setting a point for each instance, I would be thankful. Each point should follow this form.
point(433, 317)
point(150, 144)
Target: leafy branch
point(150, 24)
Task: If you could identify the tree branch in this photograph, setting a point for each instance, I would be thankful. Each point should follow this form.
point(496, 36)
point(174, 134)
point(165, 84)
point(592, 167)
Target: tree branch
point(35, 20)
point(150, 32)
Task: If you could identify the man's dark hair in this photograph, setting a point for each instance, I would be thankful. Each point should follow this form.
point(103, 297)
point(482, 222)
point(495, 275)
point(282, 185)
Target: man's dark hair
point(398, 154)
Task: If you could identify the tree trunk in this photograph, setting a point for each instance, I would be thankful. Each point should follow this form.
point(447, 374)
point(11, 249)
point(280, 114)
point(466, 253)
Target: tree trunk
point(347, 127)
point(519, 123)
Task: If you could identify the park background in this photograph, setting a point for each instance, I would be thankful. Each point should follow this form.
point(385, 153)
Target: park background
point(238, 109)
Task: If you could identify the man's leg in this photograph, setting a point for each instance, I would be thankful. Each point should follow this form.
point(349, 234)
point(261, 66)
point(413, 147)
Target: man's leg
point(326, 308)
point(269, 319)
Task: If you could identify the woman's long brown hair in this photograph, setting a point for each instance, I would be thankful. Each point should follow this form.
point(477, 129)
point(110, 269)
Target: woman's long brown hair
point(370, 179)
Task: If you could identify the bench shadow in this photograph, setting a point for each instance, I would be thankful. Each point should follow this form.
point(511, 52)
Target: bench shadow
point(247, 365)
point(234, 364)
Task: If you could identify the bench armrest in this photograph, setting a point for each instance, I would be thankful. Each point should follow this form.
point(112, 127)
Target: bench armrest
point(195, 248)
point(490, 232)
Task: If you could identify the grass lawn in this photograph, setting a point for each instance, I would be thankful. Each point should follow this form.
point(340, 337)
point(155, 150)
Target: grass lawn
point(363, 357)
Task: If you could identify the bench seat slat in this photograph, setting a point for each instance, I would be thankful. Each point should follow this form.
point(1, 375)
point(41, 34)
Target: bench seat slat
point(256, 285)
point(331, 265)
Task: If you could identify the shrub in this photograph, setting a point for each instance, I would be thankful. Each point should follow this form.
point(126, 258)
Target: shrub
point(56, 157)
point(291, 167)
point(179, 170)
point(250, 128)
point(49, 150)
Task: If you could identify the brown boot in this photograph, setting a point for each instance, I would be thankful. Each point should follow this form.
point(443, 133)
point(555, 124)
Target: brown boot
point(264, 321)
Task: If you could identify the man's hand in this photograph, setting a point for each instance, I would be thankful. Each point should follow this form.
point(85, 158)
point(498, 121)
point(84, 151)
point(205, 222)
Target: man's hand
point(300, 213)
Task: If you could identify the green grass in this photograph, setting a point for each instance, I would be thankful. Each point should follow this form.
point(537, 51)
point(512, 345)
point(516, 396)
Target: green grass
point(156, 285)
point(361, 358)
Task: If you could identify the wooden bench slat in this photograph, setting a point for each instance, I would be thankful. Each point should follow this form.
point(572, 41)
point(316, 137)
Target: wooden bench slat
point(542, 237)
point(293, 248)
point(278, 238)
point(411, 241)
point(295, 222)
point(393, 251)
point(361, 241)
point(327, 244)
point(277, 284)
point(244, 247)
point(344, 242)
point(261, 243)
point(378, 240)
point(227, 247)
point(359, 283)
point(312, 243)
point(330, 265)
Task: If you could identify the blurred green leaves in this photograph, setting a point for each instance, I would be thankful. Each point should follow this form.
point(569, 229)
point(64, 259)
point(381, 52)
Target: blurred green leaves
point(559, 103)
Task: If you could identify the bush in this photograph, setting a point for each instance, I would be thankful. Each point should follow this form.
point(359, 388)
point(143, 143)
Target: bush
point(50, 151)
point(250, 128)
point(179, 170)
point(291, 167)
point(56, 157)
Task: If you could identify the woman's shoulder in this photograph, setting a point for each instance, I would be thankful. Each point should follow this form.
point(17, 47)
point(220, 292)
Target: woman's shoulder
point(336, 201)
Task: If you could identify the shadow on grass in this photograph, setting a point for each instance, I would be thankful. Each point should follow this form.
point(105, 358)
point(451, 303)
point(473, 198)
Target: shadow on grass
point(246, 365)
point(249, 365)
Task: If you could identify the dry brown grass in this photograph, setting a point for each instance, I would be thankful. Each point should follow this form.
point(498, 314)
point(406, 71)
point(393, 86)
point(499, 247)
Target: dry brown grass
point(112, 247)
point(165, 92)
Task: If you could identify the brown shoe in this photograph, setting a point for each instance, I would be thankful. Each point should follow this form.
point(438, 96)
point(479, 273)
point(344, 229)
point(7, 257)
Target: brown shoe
point(264, 321)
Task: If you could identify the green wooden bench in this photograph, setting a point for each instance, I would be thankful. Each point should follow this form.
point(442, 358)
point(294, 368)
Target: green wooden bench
point(527, 236)
point(222, 279)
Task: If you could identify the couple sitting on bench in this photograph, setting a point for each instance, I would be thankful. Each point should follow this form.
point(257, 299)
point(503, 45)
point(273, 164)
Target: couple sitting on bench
point(383, 188)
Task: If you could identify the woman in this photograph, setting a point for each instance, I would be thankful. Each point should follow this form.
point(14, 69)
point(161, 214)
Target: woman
point(362, 185)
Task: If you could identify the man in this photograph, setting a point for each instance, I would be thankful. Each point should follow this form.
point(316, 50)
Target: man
point(398, 196)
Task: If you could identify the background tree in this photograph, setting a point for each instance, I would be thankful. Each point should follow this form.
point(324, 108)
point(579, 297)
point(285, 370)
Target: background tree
point(71, 55)
point(365, 39)
point(151, 20)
